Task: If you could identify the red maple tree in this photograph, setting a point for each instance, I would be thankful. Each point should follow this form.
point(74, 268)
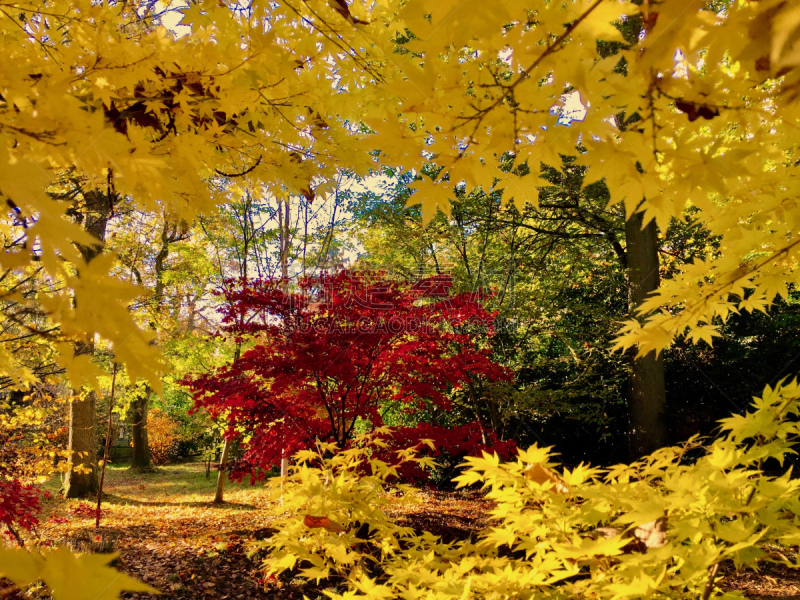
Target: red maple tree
point(336, 351)
point(448, 445)
point(19, 502)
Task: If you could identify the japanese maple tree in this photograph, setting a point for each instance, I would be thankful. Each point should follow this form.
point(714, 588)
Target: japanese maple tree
point(19, 501)
point(337, 349)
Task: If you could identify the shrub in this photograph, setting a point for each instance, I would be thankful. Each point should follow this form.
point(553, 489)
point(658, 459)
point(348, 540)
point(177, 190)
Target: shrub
point(448, 445)
point(337, 352)
point(162, 435)
point(27, 454)
point(657, 527)
point(19, 507)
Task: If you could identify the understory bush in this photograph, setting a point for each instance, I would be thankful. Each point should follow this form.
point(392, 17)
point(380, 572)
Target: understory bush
point(659, 527)
point(162, 436)
point(449, 446)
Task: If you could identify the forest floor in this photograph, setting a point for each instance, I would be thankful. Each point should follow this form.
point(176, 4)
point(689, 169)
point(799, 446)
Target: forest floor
point(173, 537)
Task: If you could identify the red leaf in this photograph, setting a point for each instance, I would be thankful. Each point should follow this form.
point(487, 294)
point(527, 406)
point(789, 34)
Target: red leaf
point(324, 522)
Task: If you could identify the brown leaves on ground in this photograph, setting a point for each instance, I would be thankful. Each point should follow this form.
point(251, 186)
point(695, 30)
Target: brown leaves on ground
point(450, 515)
point(773, 581)
point(170, 534)
point(173, 538)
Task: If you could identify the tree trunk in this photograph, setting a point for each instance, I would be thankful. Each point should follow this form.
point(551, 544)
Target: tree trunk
point(647, 400)
point(82, 435)
point(141, 448)
point(107, 447)
point(284, 240)
point(219, 494)
point(140, 407)
point(284, 467)
point(83, 444)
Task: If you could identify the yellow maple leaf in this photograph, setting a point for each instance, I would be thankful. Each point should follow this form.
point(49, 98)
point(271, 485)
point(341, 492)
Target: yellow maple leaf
point(68, 576)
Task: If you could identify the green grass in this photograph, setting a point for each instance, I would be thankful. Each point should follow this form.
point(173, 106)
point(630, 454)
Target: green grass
point(178, 484)
point(174, 502)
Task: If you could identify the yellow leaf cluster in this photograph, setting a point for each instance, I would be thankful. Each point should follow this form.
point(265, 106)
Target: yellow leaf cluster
point(657, 527)
point(69, 576)
point(684, 107)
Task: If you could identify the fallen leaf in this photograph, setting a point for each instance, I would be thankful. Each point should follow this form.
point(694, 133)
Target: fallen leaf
point(540, 474)
point(652, 534)
point(323, 522)
point(645, 536)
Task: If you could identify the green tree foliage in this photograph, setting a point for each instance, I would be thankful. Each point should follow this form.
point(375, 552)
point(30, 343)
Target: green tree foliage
point(559, 273)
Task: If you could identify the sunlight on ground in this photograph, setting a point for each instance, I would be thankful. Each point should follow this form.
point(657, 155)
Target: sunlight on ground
point(173, 504)
point(168, 531)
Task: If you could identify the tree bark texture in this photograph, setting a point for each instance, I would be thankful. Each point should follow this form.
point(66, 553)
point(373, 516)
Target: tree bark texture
point(647, 400)
point(170, 232)
point(83, 443)
point(82, 418)
point(141, 448)
point(220, 491)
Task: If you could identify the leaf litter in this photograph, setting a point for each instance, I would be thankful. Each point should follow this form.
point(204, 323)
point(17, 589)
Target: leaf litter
point(172, 537)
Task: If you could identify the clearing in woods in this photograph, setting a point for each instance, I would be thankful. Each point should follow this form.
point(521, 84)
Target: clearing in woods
point(170, 535)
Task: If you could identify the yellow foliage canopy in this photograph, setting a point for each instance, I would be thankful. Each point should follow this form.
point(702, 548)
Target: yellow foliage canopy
point(685, 106)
